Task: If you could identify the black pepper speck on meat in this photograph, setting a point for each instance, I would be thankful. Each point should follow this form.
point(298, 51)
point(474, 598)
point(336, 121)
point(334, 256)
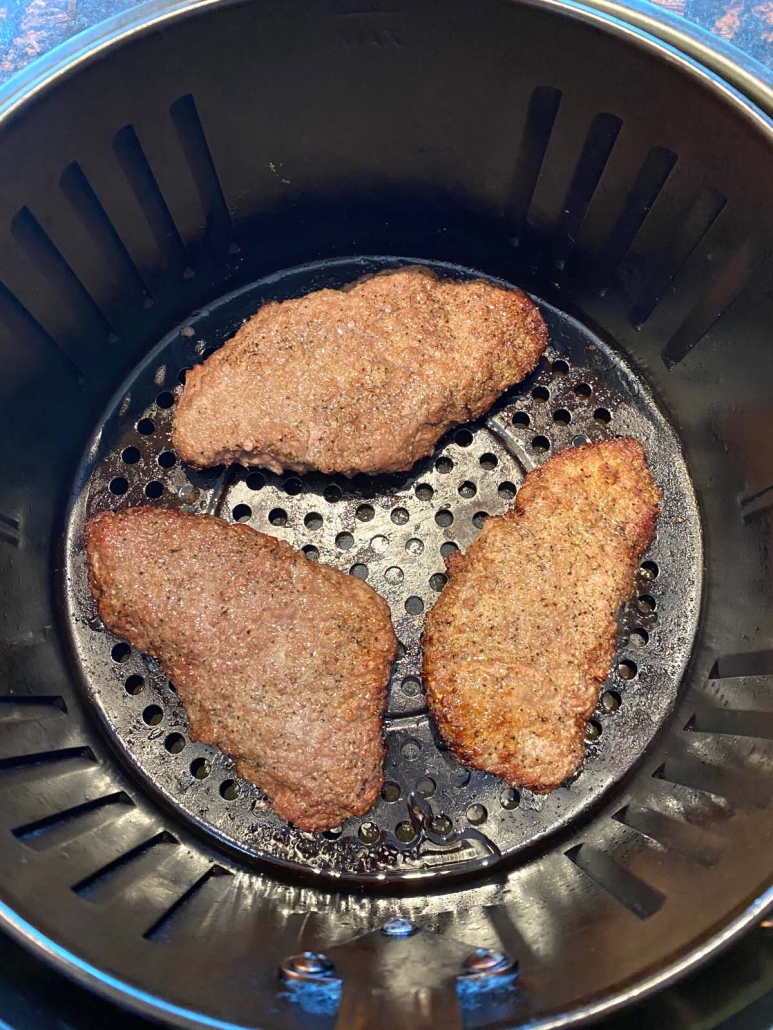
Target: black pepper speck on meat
point(281, 662)
point(520, 640)
point(365, 379)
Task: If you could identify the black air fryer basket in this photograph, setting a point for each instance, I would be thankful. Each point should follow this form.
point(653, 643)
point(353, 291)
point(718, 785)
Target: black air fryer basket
point(153, 193)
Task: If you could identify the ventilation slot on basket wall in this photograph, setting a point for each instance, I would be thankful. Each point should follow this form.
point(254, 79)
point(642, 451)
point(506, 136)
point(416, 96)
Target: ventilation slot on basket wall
point(9, 526)
point(747, 663)
point(161, 929)
point(62, 827)
point(30, 707)
point(651, 179)
point(115, 877)
point(637, 896)
point(596, 150)
point(741, 788)
point(142, 181)
point(757, 504)
point(672, 834)
point(733, 723)
point(30, 336)
point(683, 241)
point(510, 937)
point(46, 257)
point(127, 283)
point(219, 230)
point(717, 298)
point(73, 757)
point(540, 118)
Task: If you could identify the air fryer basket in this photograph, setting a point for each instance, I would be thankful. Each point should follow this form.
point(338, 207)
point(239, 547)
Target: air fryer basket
point(151, 197)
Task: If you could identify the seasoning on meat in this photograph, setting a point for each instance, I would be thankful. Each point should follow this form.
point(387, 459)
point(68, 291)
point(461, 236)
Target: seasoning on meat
point(281, 662)
point(360, 380)
point(524, 633)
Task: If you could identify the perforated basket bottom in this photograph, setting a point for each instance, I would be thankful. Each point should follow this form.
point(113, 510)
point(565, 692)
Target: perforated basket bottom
point(434, 816)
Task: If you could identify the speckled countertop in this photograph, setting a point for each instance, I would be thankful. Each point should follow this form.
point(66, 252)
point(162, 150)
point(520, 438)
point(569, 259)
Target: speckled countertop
point(746, 23)
point(30, 28)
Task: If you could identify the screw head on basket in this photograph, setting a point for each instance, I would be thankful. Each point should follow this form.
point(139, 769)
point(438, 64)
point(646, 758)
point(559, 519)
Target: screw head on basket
point(310, 966)
point(485, 962)
point(399, 928)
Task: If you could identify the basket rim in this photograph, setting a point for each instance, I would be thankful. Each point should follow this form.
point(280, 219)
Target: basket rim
point(720, 64)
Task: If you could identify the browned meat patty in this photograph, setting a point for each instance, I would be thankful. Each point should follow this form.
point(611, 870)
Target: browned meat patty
point(360, 380)
point(523, 634)
point(281, 662)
